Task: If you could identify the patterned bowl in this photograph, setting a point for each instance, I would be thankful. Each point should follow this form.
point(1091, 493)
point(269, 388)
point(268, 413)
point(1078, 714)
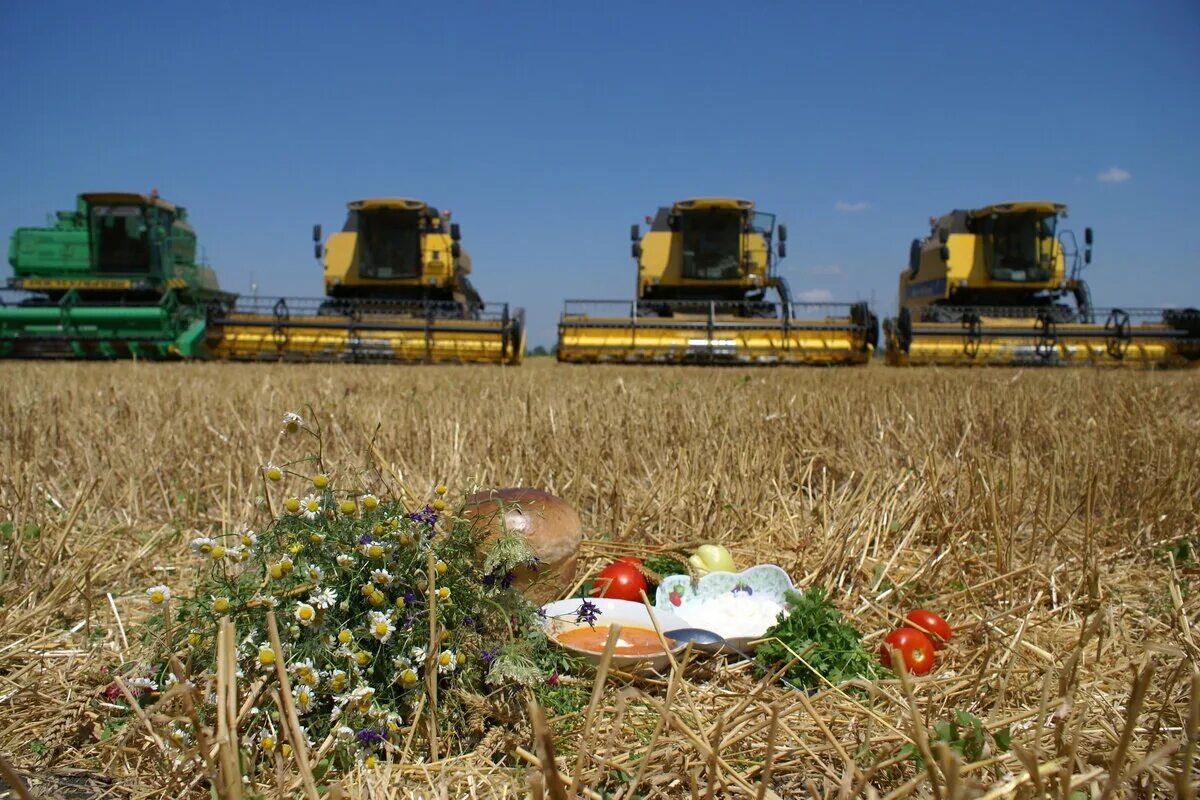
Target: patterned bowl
point(680, 595)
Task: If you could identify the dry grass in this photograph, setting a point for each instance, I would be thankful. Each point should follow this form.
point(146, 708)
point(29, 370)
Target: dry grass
point(1042, 511)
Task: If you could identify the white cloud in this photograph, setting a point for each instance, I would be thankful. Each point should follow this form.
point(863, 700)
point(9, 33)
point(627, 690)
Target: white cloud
point(814, 296)
point(1114, 175)
point(823, 269)
point(851, 208)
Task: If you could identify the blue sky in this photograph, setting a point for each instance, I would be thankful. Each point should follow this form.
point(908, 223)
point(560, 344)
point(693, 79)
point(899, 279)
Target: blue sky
point(547, 128)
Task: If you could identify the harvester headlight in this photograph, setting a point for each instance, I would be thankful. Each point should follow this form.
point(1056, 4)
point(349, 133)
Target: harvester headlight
point(962, 284)
point(655, 281)
point(754, 280)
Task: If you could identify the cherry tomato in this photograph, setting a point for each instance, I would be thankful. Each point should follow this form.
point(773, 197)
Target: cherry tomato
point(913, 647)
point(620, 581)
point(932, 625)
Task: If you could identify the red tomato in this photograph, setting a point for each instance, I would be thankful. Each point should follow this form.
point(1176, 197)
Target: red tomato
point(932, 625)
point(634, 560)
point(620, 581)
point(913, 647)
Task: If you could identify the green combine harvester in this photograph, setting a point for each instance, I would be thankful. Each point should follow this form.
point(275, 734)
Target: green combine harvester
point(117, 277)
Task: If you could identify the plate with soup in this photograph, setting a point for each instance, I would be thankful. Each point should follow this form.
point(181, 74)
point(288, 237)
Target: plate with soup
point(637, 642)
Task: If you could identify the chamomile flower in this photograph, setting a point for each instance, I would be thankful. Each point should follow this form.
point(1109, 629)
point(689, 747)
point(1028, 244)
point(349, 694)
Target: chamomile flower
point(310, 507)
point(314, 574)
point(142, 683)
point(418, 654)
point(380, 626)
point(272, 473)
point(303, 695)
point(292, 505)
point(370, 502)
point(381, 577)
point(439, 504)
point(347, 507)
point(220, 604)
point(201, 545)
point(324, 598)
point(337, 680)
point(305, 614)
point(320, 480)
point(407, 677)
point(292, 423)
point(447, 662)
point(441, 567)
point(345, 560)
point(443, 593)
point(158, 595)
point(372, 549)
point(248, 539)
point(265, 657)
point(343, 733)
point(267, 741)
point(306, 672)
point(440, 489)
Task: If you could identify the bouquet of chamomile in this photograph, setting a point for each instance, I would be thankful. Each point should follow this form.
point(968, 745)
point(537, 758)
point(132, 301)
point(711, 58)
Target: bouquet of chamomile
point(394, 630)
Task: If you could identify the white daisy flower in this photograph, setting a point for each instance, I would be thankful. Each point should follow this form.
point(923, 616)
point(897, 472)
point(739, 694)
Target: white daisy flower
point(304, 614)
point(315, 574)
point(418, 654)
point(381, 577)
point(380, 626)
point(292, 423)
point(306, 673)
point(345, 560)
point(202, 545)
point(323, 599)
point(158, 595)
point(303, 696)
point(401, 662)
point(447, 662)
point(249, 539)
point(142, 683)
point(310, 507)
point(344, 733)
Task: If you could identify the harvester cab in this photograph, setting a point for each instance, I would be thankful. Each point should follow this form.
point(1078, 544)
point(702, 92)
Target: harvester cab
point(705, 271)
point(1002, 284)
point(396, 289)
point(118, 276)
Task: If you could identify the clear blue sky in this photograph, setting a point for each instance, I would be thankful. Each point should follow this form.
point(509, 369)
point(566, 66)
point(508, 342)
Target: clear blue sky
point(549, 127)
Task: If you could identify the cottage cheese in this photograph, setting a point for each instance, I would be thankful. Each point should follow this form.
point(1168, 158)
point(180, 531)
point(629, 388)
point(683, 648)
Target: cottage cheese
point(733, 616)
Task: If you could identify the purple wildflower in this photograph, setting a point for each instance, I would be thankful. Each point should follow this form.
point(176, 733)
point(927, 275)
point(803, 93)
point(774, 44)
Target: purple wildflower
point(426, 516)
point(488, 655)
point(367, 736)
point(507, 580)
point(489, 579)
point(587, 612)
point(365, 539)
point(409, 598)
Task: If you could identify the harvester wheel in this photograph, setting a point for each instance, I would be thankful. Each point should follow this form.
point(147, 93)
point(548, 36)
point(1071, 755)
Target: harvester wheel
point(904, 332)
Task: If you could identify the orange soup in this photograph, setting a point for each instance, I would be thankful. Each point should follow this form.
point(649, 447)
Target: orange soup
point(631, 642)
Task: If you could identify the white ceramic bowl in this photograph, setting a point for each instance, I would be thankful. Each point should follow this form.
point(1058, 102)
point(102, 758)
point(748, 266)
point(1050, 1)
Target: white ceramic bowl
point(560, 617)
point(677, 594)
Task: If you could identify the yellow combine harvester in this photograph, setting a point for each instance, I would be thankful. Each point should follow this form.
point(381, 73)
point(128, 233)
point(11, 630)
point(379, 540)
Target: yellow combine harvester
point(704, 270)
point(990, 286)
point(396, 289)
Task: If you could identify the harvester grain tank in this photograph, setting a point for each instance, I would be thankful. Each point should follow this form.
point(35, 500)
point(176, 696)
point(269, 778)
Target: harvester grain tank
point(991, 285)
point(706, 273)
point(396, 289)
point(115, 277)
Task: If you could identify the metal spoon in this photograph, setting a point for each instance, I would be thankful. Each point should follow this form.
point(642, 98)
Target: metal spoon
point(713, 642)
point(701, 636)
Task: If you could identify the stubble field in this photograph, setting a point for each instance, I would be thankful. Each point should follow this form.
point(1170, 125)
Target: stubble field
point(1053, 516)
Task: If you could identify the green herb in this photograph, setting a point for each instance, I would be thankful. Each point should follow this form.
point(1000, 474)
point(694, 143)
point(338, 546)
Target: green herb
point(830, 646)
point(964, 735)
point(664, 565)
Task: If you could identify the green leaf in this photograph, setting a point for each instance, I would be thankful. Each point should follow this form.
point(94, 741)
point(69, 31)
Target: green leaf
point(1003, 739)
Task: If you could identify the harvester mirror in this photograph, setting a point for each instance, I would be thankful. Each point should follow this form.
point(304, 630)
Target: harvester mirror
point(945, 253)
point(1087, 236)
point(455, 233)
point(636, 249)
point(317, 251)
point(316, 233)
point(1087, 256)
point(455, 249)
point(914, 257)
point(782, 249)
point(944, 235)
point(783, 233)
point(635, 232)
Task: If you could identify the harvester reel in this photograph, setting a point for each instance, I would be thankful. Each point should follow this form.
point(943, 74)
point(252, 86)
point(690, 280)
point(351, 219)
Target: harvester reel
point(1047, 336)
point(972, 333)
point(1118, 336)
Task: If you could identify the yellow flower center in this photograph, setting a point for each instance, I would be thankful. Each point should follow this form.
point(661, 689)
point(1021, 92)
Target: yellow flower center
point(347, 507)
point(377, 530)
point(217, 551)
point(344, 636)
point(292, 504)
point(381, 628)
point(441, 567)
point(268, 743)
point(377, 599)
point(408, 676)
point(276, 571)
point(221, 605)
point(266, 656)
point(312, 506)
point(369, 502)
point(320, 481)
point(444, 593)
point(441, 489)
point(399, 602)
point(439, 504)
point(274, 474)
point(306, 613)
point(157, 597)
point(362, 657)
point(375, 551)
point(462, 659)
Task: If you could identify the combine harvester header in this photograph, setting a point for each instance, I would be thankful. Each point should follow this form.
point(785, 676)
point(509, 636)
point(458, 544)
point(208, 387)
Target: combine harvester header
point(991, 286)
point(116, 277)
point(704, 270)
point(396, 289)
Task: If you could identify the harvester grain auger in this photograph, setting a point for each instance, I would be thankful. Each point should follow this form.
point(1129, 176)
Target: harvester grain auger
point(396, 290)
point(705, 268)
point(116, 277)
point(992, 286)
